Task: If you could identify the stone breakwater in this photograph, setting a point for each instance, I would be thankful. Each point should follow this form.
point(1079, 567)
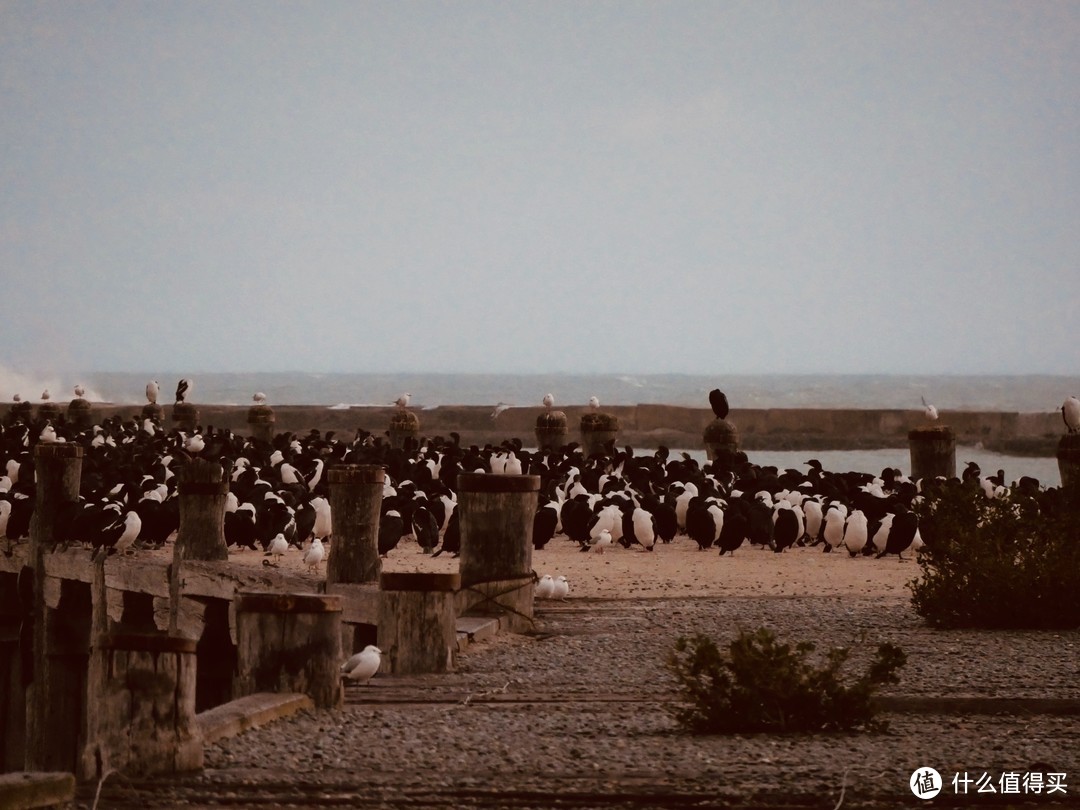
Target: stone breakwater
point(652, 425)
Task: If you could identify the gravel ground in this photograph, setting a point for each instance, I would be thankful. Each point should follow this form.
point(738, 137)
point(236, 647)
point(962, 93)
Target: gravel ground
point(578, 714)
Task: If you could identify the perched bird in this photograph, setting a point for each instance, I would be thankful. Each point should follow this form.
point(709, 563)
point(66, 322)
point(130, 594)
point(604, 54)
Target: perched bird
point(929, 411)
point(259, 398)
point(48, 434)
point(1070, 412)
point(549, 400)
point(79, 391)
point(361, 667)
point(152, 392)
point(502, 406)
point(277, 548)
point(545, 587)
point(183, 388)
point(314, 554)
point(403, 400)
point(562, 588)
point(45, 395)
point(594, 403)
point(718, 402)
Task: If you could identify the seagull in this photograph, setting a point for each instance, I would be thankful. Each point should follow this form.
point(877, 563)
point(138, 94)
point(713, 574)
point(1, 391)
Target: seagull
point(361, 667)
point(194, 444)
point(594, 403)
point(314, 554)
point(259, 398)
point(48, 434)
point(183, 388)
point(602, 541)
point(544, 588)
point(562, 588)
point(152, 391)
point(549, 400)
point(502, 406)
point(79, 391)
point(930, 411)
point(719, 403)
point(403, 400)
point(277, 548)
point(1070, 412)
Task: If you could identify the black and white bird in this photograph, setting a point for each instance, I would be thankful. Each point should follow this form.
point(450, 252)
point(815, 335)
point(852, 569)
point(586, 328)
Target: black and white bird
point(183, 388)
point(718, 402)
point(1070, 412)
point(361, 667)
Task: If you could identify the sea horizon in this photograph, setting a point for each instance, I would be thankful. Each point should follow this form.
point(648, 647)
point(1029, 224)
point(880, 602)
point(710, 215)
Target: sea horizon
point(1027, 393)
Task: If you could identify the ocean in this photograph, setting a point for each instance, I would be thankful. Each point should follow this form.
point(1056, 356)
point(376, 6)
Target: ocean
point(1024, 394)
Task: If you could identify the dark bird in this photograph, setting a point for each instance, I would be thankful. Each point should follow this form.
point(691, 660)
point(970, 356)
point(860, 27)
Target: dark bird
point(545, 522)
point(425, 528)
point(451, 541)
point(182, 389)
point(391, 528)
point(719, 403)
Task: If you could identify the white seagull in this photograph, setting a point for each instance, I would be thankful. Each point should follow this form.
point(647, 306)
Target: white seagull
point(562, 588)
point(544, 588)
point(929, 410)
point(314, 554)
point(502, 406)
point(259, 398)
point(549, 400)
point(153, 389)
point(79, 391)
point(277, 548)
point(361, 667)
point(594, 403)
point(1070, 412)
point(403, 400)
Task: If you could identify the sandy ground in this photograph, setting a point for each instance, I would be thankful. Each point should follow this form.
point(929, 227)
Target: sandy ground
point(679, 569)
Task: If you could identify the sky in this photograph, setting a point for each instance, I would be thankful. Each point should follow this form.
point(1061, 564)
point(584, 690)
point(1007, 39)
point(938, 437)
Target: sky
point(583, 187)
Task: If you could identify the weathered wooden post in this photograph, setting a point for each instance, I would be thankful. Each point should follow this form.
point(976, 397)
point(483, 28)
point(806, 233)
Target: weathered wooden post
point(598, 433)
point(355, 502)
point(141, 720)
point(1068, 459)
point(289, 643)
point(551, 430)
point(51, 734)
point(261, 419)
point(185, 416)
point(12, 695)
point(21, 411)
point(721, 439)
point(417, 622)
point(933, 452)
point(497, 513)
point(202, 489)
point(404, 429)
point(48, 409)
point(79, 414)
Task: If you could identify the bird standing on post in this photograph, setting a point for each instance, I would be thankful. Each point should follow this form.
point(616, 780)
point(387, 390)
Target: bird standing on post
point(183, 388)
point(929, 410)
point(1070, 412)
point(153, 389)
point(549, 401)
point(594, 403)
point(403, 400)
point(719, 403)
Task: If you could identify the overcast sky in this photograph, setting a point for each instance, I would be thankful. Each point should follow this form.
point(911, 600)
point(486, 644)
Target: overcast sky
point(700, 187)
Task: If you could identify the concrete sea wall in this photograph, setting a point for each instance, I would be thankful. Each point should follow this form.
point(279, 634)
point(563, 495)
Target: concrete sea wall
point(649, 426)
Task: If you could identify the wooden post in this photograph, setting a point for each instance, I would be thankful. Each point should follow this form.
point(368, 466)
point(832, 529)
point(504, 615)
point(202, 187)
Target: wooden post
point(497, 513)
point(79, 414)
point(142, 720)
point(59, 468)
point(1068, 459)
point(202, 488)
point(404, 429)
point(355, 503)
point(48, 410)
point(151, 410)
point(261, 420)
point(598, 433)
point(551, 430)
point(418, 622)
point(12, 695)
point(185, 416)
point(933, 452)
point(721, 439)
point(289, 643)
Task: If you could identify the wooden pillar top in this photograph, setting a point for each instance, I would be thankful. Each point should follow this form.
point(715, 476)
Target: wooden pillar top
point(485, 482)
point(253, 602)
point(59, 450)
point(419, 581)
point(355, 474)
point(146, 642)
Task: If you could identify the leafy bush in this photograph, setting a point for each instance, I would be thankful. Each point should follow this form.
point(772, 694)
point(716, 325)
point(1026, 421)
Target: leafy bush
point(763, 685)
point(1011, 562)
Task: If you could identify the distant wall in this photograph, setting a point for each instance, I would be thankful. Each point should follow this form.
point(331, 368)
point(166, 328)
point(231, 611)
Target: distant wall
point(652, 425)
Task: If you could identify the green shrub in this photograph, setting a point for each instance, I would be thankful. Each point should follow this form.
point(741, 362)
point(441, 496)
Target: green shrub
point(760, 684)
point(1011, 562)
